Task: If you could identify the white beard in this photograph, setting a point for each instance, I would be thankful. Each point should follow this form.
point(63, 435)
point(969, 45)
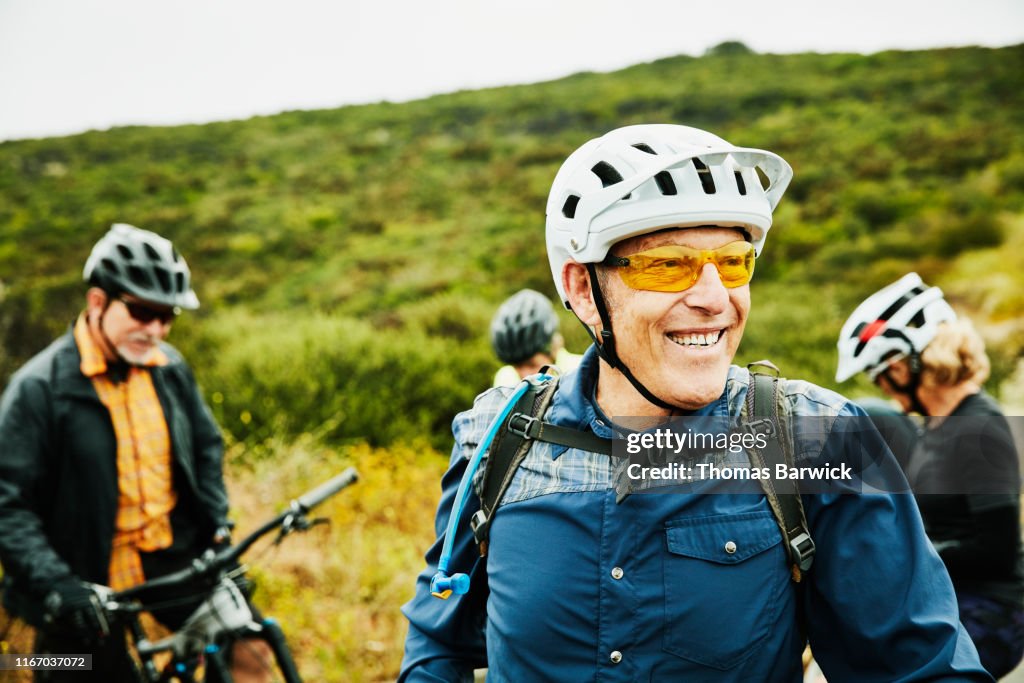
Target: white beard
point(133, 358)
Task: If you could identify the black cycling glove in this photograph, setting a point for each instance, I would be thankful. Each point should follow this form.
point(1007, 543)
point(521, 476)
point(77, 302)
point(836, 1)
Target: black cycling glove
point(73, 606)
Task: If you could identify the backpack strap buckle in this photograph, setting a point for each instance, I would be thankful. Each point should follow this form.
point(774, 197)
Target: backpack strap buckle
point(764, 426)
point(480, 526)
point(523, 425)
point(802, 551)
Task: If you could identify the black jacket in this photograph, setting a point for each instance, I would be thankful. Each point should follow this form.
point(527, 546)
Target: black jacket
point(58, 472)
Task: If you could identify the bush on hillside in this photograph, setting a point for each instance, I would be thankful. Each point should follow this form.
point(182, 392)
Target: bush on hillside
point(336, 378)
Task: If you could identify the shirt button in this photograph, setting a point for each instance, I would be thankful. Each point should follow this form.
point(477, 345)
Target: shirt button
point(615, 656)
point(730, 547)
point(617, 573)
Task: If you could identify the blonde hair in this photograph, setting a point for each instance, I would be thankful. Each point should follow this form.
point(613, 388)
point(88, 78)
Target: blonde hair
point(955, 355)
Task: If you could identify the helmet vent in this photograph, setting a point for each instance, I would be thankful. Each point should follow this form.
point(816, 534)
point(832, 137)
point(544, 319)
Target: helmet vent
point(704, 173)
point(110, 265)
point(569, 208)
point(179, 282)
point(150, 251)
point(665, 183)
point(138, 276)
point(740, 185)
point(762, 178)
point(175, 255)
point(900, 303)
point(644, 147)
point(125, 252)
point(608, 175)
point(164, 278)
point(887, 357)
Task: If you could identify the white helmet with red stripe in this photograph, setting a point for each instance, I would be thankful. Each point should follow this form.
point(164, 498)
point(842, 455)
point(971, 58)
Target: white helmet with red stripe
point(897, 321)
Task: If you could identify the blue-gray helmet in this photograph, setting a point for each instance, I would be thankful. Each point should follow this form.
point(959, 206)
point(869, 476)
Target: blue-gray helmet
point(523, 326)
point(143, 264)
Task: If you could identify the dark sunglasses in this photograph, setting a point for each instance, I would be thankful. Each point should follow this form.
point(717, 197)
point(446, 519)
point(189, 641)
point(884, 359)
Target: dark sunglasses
point(145, 315)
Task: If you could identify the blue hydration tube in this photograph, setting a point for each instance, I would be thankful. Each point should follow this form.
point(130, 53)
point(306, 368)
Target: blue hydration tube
point(442, 585)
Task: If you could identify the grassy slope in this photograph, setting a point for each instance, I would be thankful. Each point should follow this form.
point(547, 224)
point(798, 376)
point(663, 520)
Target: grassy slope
point(368, 211)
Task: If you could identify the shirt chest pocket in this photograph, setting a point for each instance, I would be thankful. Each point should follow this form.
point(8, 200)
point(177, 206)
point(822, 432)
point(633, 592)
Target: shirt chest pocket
point(725, 579)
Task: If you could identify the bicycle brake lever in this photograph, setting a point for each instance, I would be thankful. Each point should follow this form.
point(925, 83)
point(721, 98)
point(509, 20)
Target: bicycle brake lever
point(295, 520)
point(298, 522)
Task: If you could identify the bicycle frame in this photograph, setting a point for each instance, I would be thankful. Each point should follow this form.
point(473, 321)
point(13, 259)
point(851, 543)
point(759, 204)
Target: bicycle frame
point(224, 616)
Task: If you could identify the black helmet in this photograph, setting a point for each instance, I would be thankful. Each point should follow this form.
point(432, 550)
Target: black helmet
point(523, 326)
point(143, 264)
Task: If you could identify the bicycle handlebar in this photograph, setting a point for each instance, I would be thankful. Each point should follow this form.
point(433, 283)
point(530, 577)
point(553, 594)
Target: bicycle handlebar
point(310, 500)
point(211, 562)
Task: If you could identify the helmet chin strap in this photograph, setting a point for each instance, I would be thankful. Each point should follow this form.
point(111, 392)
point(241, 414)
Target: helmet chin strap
point(606, 348)
point(106, 339)
point(910, 388)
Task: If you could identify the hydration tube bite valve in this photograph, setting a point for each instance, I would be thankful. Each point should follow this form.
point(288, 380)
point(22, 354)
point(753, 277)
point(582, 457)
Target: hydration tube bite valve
point(442, 585)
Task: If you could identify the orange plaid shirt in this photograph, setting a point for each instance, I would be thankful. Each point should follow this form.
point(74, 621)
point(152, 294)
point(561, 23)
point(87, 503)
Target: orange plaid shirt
point(144, 470)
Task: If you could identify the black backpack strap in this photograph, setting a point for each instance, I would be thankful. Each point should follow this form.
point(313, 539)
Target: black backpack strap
point(783, 494)
point(507, 452)
point(534, 427)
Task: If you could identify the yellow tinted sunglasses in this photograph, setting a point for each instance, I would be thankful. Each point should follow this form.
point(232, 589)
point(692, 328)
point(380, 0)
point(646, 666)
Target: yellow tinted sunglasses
point(675, 268)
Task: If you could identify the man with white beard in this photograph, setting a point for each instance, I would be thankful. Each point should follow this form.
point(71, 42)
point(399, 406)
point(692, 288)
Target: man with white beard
point(111, 466)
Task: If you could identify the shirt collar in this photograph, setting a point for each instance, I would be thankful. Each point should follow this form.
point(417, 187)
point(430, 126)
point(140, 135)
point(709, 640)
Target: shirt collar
point(575, 406)
point(571, 406)
point(93, 361)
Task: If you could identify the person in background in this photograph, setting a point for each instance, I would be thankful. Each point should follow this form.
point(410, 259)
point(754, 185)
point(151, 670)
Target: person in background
point(900, 431)
point(524, 334)
point(111, 463)
point(964, 469)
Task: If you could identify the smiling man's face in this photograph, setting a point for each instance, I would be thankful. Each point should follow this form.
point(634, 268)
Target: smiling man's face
point(679, 344)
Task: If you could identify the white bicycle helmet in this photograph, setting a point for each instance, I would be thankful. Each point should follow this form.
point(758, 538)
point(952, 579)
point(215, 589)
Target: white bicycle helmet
point(896, 321)
point(640, 179)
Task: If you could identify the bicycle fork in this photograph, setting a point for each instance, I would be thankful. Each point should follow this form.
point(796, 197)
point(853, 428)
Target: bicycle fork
point(269, 631)
point(274, 636)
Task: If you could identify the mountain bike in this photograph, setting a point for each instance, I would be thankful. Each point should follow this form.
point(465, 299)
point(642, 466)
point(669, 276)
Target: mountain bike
point(199, 648)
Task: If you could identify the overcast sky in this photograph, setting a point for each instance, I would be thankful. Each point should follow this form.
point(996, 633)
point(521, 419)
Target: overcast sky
point(73, 65)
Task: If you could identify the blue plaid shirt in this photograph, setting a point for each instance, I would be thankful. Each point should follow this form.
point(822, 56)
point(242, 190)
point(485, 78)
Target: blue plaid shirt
point(578, 587)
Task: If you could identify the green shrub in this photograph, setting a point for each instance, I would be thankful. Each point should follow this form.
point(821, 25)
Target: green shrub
point(337, 378)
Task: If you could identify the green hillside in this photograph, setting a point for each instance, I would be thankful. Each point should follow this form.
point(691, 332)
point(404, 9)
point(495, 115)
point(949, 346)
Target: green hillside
point(349, 259)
